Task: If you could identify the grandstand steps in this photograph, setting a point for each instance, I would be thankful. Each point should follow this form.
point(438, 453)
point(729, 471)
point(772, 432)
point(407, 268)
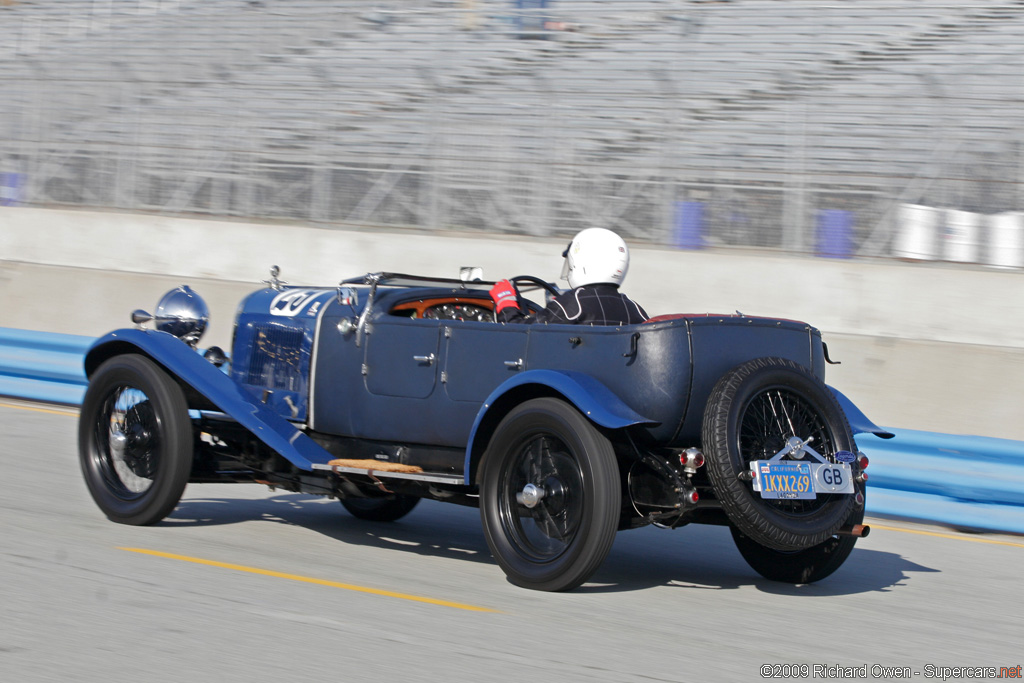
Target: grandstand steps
point(640, 90)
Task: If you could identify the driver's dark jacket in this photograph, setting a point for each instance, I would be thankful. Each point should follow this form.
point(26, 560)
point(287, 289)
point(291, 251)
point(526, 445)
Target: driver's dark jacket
point(600, 304)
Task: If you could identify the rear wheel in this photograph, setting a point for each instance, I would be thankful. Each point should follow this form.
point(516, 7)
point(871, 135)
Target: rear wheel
point(382, 509)
point(134, 440)
point(797, 566)
point(754, 412)
point(549, 496)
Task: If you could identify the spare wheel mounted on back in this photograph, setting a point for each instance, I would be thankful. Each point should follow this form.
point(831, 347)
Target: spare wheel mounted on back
point(753, 414)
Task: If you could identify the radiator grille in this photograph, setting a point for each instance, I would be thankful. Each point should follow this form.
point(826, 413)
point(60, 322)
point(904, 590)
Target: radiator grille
point(276, 358)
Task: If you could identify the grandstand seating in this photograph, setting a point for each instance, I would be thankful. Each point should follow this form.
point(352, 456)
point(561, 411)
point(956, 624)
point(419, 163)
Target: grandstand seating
point(400, 113)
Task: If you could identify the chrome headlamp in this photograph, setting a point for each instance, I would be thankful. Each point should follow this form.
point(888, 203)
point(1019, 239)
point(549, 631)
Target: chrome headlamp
point(183, 313)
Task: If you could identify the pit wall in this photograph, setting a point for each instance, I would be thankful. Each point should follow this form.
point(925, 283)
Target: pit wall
point(926, 346)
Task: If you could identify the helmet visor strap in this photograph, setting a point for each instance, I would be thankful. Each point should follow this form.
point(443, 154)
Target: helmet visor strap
point(565, 263)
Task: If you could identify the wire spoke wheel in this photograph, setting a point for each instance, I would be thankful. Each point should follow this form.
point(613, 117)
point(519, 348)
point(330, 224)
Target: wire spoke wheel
point(771, 418)
point(127, 442)
point(134, 440)
point(756, 411)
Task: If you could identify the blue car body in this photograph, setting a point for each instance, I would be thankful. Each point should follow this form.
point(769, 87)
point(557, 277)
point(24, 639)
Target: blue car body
point(445, 383)
point(392, 388)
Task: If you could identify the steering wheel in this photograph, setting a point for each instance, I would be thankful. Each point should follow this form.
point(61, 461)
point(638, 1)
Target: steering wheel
point(546, 286)
point(535, 281)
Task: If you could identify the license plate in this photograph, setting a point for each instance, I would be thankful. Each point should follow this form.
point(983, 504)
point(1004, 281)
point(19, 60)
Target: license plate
point(789, 480)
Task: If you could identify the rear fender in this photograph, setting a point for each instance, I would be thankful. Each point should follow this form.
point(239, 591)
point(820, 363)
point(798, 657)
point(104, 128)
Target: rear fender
point(192, 370)
point(859, 422)
point(592, 398)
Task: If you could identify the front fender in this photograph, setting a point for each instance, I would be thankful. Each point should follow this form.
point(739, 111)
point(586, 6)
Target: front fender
point(592, 398)
point(859, 422)
point(188, 367)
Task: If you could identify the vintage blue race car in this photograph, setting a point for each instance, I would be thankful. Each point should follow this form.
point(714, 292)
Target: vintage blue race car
point(390, 388)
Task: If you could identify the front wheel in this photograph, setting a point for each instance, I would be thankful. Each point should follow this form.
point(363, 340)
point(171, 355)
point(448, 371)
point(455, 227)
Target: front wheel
point(134, 440)
point(549, 496)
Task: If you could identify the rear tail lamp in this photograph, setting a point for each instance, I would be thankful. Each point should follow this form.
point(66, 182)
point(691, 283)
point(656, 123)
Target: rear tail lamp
point(691, 458)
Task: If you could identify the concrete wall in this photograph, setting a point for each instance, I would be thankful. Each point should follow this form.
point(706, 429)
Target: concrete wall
point(929, 346)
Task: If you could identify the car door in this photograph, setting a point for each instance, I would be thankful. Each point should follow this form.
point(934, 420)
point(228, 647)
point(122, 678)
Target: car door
point(401, 357)
point(480, 356)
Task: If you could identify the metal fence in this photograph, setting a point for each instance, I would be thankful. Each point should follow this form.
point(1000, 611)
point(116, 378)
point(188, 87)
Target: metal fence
point(786, 124)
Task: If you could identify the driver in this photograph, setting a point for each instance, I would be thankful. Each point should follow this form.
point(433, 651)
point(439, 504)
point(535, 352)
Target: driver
point(596, 262)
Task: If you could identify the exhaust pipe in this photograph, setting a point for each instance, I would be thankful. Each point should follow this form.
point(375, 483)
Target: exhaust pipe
point(858, 530)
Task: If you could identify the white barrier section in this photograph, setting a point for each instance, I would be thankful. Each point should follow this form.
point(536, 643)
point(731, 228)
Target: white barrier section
point(912, 337)
point(1006, 240)
point(961, 236)
point(916, 227)
point(116, 256)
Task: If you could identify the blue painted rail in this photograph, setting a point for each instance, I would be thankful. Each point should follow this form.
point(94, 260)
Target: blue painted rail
point(42, 366)
point(968, 482)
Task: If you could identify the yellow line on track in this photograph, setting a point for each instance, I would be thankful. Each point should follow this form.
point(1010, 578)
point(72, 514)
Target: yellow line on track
point(969, 539)
point(307, 579)
point(70, 412)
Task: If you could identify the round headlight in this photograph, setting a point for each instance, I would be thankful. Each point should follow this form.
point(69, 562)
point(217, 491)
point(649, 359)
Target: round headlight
point(183, 313)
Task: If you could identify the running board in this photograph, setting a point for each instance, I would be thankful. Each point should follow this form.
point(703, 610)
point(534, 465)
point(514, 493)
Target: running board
point(455, 479)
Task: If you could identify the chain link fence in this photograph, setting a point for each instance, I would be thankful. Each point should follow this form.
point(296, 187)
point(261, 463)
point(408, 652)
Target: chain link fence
point(784, 124)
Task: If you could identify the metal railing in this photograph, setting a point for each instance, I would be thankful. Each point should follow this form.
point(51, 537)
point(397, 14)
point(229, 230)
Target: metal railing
point(674, 122)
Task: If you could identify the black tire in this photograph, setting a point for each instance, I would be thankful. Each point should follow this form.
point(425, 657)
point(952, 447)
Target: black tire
point(559, 541)
point(797, 566)
point(752, 411)
point(134, 440)
point(380, 509)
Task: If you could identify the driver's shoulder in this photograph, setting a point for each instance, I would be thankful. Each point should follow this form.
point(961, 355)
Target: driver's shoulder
point(567, 305)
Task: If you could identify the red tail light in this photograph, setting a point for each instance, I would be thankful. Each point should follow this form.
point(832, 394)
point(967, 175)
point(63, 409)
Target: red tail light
point(691, 458)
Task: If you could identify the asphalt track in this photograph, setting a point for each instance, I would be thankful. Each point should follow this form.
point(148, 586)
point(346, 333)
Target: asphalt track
point(245, 584)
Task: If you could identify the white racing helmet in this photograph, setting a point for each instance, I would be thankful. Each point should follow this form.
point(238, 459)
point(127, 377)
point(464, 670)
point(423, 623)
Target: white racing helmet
point(595, 255)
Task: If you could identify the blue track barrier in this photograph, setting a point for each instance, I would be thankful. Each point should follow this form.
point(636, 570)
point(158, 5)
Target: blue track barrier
point(42, 366)
point(966, 482)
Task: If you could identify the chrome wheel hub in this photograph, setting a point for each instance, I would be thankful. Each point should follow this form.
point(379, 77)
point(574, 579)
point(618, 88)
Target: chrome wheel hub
point(530, 495)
